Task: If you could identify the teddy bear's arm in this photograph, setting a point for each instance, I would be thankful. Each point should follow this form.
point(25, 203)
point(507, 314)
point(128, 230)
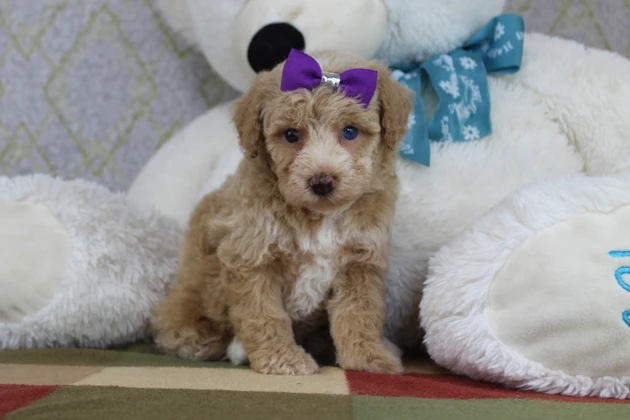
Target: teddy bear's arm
point(587, 92)
point(174, 178)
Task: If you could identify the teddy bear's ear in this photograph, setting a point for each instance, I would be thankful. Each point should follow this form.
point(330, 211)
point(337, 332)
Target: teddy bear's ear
point(248, 117)
point(395, 106)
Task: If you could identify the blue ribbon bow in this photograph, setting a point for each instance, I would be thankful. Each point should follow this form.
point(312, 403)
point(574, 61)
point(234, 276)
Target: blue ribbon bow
point(460, 80)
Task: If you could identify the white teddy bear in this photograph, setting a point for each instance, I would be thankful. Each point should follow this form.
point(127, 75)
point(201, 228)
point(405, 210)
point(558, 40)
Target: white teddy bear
point(525, 286)
point(491, 310)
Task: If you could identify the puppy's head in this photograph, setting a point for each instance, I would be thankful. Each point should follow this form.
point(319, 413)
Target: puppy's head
point(325, 148)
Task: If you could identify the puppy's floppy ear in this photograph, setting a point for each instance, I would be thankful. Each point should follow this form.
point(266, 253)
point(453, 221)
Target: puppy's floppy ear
point(248, 118)
point(395, 103)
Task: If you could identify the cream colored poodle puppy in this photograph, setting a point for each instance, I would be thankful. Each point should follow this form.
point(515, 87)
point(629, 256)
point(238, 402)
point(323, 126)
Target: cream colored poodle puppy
point(299, 237)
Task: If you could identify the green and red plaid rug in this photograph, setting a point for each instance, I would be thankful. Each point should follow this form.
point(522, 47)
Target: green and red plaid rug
point(136, 383)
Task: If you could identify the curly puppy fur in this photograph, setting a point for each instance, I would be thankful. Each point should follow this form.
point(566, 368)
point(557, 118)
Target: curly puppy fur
point(266, 260)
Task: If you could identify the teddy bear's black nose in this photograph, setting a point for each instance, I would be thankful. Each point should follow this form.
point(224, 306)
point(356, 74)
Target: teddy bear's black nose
point(271, 45)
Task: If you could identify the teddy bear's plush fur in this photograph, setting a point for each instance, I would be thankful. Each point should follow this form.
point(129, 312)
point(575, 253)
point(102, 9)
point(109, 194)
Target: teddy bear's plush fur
point(266, 250)
point(79, 265)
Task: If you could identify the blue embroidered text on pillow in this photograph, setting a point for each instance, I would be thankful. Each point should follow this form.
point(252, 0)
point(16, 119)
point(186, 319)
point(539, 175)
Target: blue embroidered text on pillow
point(460, 80)
point(619, 273)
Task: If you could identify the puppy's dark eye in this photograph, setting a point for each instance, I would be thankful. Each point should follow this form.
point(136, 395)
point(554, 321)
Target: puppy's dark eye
point(350, 133)
point(292, 135)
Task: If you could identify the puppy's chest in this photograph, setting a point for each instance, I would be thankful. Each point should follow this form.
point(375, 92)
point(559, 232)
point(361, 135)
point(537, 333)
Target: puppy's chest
point(317, 264)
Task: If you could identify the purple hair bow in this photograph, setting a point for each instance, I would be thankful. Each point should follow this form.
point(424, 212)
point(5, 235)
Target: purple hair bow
point(302, 71)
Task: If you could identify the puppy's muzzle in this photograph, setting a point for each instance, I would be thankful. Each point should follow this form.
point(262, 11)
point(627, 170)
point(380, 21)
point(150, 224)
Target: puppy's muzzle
point(322, 184)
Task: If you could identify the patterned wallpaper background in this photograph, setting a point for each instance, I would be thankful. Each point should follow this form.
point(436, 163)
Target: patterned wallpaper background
point(91, 88)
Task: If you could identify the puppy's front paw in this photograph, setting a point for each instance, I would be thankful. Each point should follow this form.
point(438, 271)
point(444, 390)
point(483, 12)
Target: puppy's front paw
point(287, 361)
point(374, 357)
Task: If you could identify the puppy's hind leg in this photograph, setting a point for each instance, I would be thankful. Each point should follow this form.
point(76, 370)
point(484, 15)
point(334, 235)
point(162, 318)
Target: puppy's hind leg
point(189, 335)
point(193, 321)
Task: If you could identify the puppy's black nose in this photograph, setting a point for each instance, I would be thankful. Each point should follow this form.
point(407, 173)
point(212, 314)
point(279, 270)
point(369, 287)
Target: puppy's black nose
point(322, 184)
point(272, 44)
